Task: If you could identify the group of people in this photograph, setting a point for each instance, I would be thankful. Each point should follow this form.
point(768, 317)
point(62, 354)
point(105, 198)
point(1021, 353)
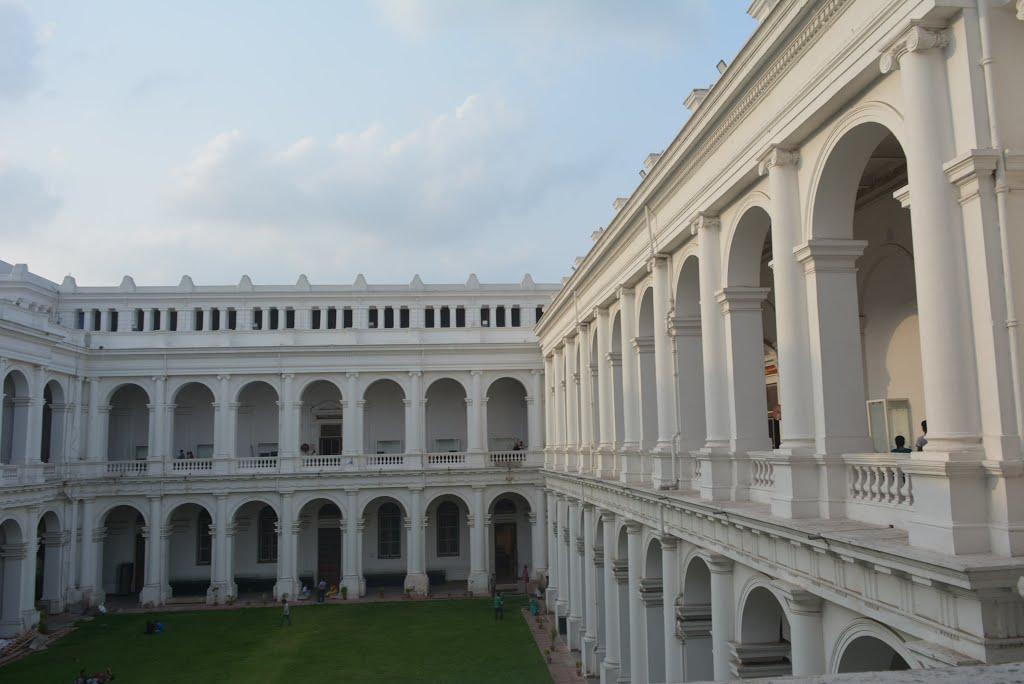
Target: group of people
point(901, 441)
point(184, 454)
point(95, 678)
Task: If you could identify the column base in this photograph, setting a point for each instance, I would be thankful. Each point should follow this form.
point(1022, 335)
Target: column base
point(663, 474)
point(561, 609)
point(588, 648)
point(1006, 494)
point(609, 672)
point(574, 625)
point(796, 483)
point(950, 504)
point(29, 618)
point(352, 583)
point(630, 465)
point(52, 606)
point(477, 583)
point(10, 628)
point(715, 482)
point(220, 593)
point(285, 588)
point(417, 583)
point(150, 597)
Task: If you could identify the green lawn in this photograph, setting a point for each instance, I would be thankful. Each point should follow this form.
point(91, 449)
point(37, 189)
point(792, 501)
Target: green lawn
point(415, 641)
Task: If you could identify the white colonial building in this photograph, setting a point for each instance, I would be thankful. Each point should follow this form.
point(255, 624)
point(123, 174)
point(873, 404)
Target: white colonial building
point(836, 238)
point(697, 459)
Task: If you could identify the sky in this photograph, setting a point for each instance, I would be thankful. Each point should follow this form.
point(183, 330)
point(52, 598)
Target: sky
point(326, 138)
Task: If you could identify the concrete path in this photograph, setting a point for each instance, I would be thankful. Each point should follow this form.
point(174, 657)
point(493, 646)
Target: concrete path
point(563, 662)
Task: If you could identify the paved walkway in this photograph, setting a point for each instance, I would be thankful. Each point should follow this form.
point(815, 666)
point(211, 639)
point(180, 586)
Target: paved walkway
point(563, 662)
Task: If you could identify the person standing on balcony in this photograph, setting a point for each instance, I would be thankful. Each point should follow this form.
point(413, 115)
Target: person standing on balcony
point(923, 439)
point(901, 445)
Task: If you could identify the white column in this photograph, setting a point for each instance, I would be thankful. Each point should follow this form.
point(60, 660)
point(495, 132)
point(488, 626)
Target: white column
point(154, 528)
point(794, 358)
point(637, 617)
point(945, 502)
point(159, 439)
point(606, 396)
point(587, 445)
point(575, 577)
point(610, 664)
point(87, 567)
point(94, 450)
point(806, 632)
point(712, 325)
point(358, 430)
point(562, 542)
point(629, 462)
point(352, 442)
point(353, 531)
point(287, 527)
point(414, 426)
point(663, 476)
point(551, 535)
point(474, 410)
point(559, 409)
point(223, 425)
point(549, 412)
point(415, 577)
point(34, 424)
point(285, 440)
point(534, 402)
point(29, 614)
point(670, 590)
point(722, 614)
point(477, 584)
point(538, 545)
point(572, 406)
point(744, 339)
point(219, 580)
point(592, 617)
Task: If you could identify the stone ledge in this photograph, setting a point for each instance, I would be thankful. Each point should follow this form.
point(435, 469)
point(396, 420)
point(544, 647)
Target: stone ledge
point(1011, 673)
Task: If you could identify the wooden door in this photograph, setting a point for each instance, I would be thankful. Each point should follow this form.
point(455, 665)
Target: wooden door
point(139, 566)
point(328, 564)
point(505, 556)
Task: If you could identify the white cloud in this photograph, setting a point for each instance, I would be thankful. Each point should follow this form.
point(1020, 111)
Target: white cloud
point(590, 24)
point(25, 201)
point(19, 47)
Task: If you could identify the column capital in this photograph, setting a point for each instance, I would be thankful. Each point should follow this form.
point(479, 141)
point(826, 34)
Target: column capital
point(415, 374)
point(607, 515)
point(658, 260)
point(914, 39)
point(968, 170)
point(830, 254)
point(633, 527)
point(223, 376)
point(776, 157)
point(623, 292)
point(287, 376)
point(667, 541)
point(587, 506)
point(159, 378)
point(799, 599)
point(705, 222)
point(718, 565)
point(741, 298)
point(536, 371)
point(351, 376)
point(686, 326)
point(476, 372)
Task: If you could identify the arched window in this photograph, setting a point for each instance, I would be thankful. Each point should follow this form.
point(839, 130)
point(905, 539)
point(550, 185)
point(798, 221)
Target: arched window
point(389, 531)
point(447, 529)
point(204, 540)
point(267, 536)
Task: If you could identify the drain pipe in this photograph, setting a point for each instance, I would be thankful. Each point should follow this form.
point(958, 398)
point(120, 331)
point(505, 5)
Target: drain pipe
point(1001, 188)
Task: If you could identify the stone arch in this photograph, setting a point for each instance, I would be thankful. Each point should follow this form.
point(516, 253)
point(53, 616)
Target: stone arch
point(16, 400)
point(322, 415)
point(386, 540)
point(384, 413)
point(511, 534)
point(376, 497)
point(194, 419)
point(188, 565)
point(695, 619)
point(55, 411)
point(128, 423)
point(618, 409)
point(689, 364)
point(305, 498)
point(448, 538)
point(203, 501)
point(647, 374)
point(257, 424)
point(11, 569)
point(319, 553)
point(243, 501)
point(49, 555)
point(868, 646)
point(308, 381)
point(507, 420)
point(138, 503)
point(864, 121)
point(447, 416)
point(120, 386)
point(654, 594)
point(764, 642)
point(125, 549)
point(255, 547)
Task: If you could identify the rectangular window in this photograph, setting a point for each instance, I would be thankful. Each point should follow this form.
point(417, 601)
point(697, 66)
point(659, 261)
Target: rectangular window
point(139, 320)
point(428, 317)
point(485, 316)
point(389, 317)
point(113, 320)
point(198, 319)
point(446, 317)
point(447, 529)
point(257, 319)
point(403, 317)
point(373, 317)
point(539, 313)
point(314, 319)
point(460, 317)
point(389, 531)
point(232, 320)
point(346, 317)
point(499, 317)
point(79, 319)
point(289, 318)
point(332, 318)
point(275, 322)
point(204, 540)
point(172, 320)
point(157, 320)
point(214, 319)
point(516, 321)
point(96, 319)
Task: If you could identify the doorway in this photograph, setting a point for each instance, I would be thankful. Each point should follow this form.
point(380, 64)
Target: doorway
point(330, 439)
point(139, 567)
point(328, 559)
point(506, 558)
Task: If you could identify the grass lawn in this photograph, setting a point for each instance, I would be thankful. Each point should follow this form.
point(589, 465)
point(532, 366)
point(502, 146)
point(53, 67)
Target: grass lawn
point(414, 641)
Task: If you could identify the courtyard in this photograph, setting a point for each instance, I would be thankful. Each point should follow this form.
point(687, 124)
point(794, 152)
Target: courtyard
point(402, 641)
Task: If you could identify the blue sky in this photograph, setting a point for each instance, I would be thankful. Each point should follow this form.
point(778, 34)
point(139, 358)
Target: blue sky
point(386, 137)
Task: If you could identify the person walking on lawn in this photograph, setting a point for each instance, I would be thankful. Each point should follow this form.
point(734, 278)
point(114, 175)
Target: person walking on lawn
point(499, 607)
point(286, 614)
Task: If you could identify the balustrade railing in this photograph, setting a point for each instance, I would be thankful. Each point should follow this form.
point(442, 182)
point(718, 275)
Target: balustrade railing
point(880, 480)
point(127, 467)
point(762, 473)
point(504, 458)
point(257, 464)
point(9, 474)
point(445, 459)
point(325, 462)
point(199, 465)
